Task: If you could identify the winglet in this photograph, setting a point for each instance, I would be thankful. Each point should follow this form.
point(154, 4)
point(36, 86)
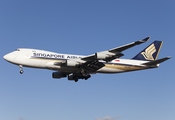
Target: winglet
point(146, 39)
point(142, 41)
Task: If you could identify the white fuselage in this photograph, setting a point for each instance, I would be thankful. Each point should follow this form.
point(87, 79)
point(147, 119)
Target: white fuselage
point(46, 60)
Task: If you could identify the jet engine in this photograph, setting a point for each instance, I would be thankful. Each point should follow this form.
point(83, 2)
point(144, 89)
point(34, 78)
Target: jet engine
point(103, 55)
point(58, 75)
point(72, 63)
point(107, 56)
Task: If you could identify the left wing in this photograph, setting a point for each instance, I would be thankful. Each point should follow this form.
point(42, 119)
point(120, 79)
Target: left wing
point(113, 53)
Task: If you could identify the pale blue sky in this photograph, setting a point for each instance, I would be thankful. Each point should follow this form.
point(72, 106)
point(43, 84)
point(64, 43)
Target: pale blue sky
point(85, 27)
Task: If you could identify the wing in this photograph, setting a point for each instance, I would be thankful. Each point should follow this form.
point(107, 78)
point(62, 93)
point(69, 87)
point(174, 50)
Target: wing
point(113, 53)
point(87, 66)
point(84, 69)
point(92, 67)
point(90, 64)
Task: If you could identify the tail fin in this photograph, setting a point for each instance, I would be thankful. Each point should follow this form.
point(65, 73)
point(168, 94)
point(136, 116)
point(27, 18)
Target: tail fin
point(150, 53)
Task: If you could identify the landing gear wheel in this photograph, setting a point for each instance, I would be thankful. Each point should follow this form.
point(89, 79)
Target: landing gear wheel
point(21, 71)
point(87, 77)
point(76, 80)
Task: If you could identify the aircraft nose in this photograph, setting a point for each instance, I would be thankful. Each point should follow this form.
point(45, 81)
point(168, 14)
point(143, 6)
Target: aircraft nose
point(6, 57)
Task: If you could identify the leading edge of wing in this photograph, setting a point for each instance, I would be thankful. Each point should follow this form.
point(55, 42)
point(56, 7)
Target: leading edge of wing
point(117, 50)
point(124, 47)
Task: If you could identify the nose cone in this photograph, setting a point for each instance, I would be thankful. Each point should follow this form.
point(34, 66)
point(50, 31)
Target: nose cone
point(8, 57)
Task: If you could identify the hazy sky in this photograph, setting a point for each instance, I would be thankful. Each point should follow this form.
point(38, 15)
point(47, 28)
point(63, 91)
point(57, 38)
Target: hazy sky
point(85, 27)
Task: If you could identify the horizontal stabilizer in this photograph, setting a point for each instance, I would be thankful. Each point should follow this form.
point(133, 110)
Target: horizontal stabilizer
point(155, 62)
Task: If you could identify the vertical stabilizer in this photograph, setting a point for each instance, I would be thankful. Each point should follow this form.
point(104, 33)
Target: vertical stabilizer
point(150, 53)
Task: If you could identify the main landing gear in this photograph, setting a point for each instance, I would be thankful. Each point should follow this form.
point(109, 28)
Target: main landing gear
point(21, 69)
point(76, 80)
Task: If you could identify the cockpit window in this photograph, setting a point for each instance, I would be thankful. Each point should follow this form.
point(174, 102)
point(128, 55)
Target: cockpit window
point(17, 50)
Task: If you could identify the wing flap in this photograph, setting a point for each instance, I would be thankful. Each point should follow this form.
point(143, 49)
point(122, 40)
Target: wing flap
point(92, 67)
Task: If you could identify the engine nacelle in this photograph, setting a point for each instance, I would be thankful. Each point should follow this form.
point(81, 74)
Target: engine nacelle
point(72, 63)
point(103, 55)
point(58, 75)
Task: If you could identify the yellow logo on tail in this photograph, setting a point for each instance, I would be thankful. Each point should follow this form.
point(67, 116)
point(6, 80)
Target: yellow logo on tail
point(148, 54)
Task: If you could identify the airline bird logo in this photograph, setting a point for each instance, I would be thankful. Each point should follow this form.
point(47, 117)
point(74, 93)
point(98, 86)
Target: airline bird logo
point(148, 54)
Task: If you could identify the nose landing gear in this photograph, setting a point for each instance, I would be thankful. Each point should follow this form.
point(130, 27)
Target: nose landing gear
point(21, 69)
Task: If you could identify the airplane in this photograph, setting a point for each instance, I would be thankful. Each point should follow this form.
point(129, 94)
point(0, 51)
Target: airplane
point(76, 67)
